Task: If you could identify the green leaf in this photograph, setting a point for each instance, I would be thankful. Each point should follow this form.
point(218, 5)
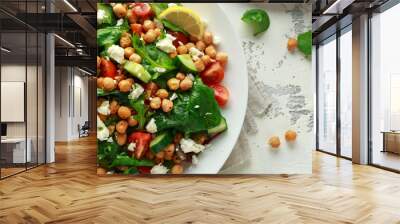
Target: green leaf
point(304, 42)
point(108, 18)
point(106, 153)
point(141, 110)
point(111, 120)
point(158, 8)
point(122, 98)
point(125, 160)
point(258, 19)
point(131, 170)
point(167, 24)
point(110, 35)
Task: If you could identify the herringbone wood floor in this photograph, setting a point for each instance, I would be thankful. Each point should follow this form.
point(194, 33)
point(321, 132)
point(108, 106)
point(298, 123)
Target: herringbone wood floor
point(70, 192)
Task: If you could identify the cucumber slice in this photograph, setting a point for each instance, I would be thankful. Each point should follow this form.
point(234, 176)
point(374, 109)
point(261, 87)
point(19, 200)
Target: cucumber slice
point(186, 63)
point(161, 141)
point(138, 71)
point(222, 126)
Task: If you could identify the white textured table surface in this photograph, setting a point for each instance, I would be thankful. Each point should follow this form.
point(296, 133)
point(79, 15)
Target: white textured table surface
point(280, 93)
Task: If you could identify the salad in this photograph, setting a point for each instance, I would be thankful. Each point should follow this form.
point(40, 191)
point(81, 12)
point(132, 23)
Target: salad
point(159, 90)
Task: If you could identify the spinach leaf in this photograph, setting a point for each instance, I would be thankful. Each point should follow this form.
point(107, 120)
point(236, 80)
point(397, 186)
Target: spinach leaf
point(152, 58)
point(131, 170)
point(304, 42)
point(110, 35)
point(141, 111)
point(107, 13)
point(258, 19)
point(106, 153)
point(193, 111)
point(167, 24)
point(122, 98)
point(111, 120)
point(158, 8)
point(125, 160)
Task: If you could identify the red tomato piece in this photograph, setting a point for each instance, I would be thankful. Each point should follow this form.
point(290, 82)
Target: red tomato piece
point(213, 74)
point(221, 94)
point(142, 141)
point(142, 10)
point(136, 28)
point(180, 37)
point(108, 69)
point(144, 169)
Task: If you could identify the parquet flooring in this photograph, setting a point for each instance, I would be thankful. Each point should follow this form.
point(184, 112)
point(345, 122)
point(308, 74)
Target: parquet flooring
point(70, 192)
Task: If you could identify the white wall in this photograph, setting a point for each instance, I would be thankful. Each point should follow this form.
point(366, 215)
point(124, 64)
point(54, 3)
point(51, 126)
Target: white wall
point(71, 103)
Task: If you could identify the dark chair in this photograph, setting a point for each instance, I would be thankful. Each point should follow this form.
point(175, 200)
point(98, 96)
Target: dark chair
point(84, 130)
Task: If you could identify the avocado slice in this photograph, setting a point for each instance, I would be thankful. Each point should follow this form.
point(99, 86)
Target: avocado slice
point(138, 71)
point(186, 63)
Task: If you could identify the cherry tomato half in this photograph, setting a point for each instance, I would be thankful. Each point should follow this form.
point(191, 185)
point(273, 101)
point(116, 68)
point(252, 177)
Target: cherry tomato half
point(180, 37)
point(108, 68)
point(213, 74)
point(142, 141)
point(142, 10)
point(221, 94)
point(144, 169)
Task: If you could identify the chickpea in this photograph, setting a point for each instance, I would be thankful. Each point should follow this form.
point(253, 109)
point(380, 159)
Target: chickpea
point(160, 155)
point(148, 25)
point(169, 152)
point(274, 141)
point(189, 45)
point(125, 42)
point(151, 89)
point(167, 105)
point(124, 86)
point(124, 112)
point(193, 39)
point(186, 84)
point(208, 38)
point(108, 84)
point(290, 136)
point(173, 54)
point(222, 57)
point(200, 45)
point(157, 31)
point(111, 128)
point(180, 76)
point(119, 10)
point(173, 84)
point(121, 138)
point(128, 52)
point(135, 58)
point(206, 60)
point(200, 138)
point(121, 126)
point(114, 106)
point(98, 62)
point(291, 44)
point(210, 51)
point(101, 171)
point(182, 49)
point(199, 65)
point(177, 138)
point(132, 122)
point(162, 93)
point(149, 155)
point(131, 81)
point(100, 82)
point(176, 159)
point(177, 169)
point(150, 36)
point(155, 103)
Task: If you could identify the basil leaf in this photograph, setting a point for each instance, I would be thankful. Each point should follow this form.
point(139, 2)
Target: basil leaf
point(304, 42)
point(258, 19)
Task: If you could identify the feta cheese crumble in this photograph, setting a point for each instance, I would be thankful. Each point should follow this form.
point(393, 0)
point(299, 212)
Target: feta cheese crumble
point(120, 22)
point(171, 4)
point(188, 145)
point(166, 44)
point(195, 53)
point(160, 70)
point(117, 53)
point(100, 16)
point(216, 40)
point(159, 169)
point(151, 126)
point(173, 97)
point(104, 108)
point(102, 131)
point(197, 106)
point(132, 147)
point(137, 91)
point(190, 76)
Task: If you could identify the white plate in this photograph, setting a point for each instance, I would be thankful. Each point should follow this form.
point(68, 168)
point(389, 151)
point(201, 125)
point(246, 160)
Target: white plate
point(214, 157)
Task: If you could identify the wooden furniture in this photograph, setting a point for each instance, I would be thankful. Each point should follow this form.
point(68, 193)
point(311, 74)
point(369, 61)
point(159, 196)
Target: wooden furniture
point(391, 141)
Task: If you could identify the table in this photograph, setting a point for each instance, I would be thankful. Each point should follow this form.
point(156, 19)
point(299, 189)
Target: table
point(16, 147)
point(281, 93)
point(391, 141)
